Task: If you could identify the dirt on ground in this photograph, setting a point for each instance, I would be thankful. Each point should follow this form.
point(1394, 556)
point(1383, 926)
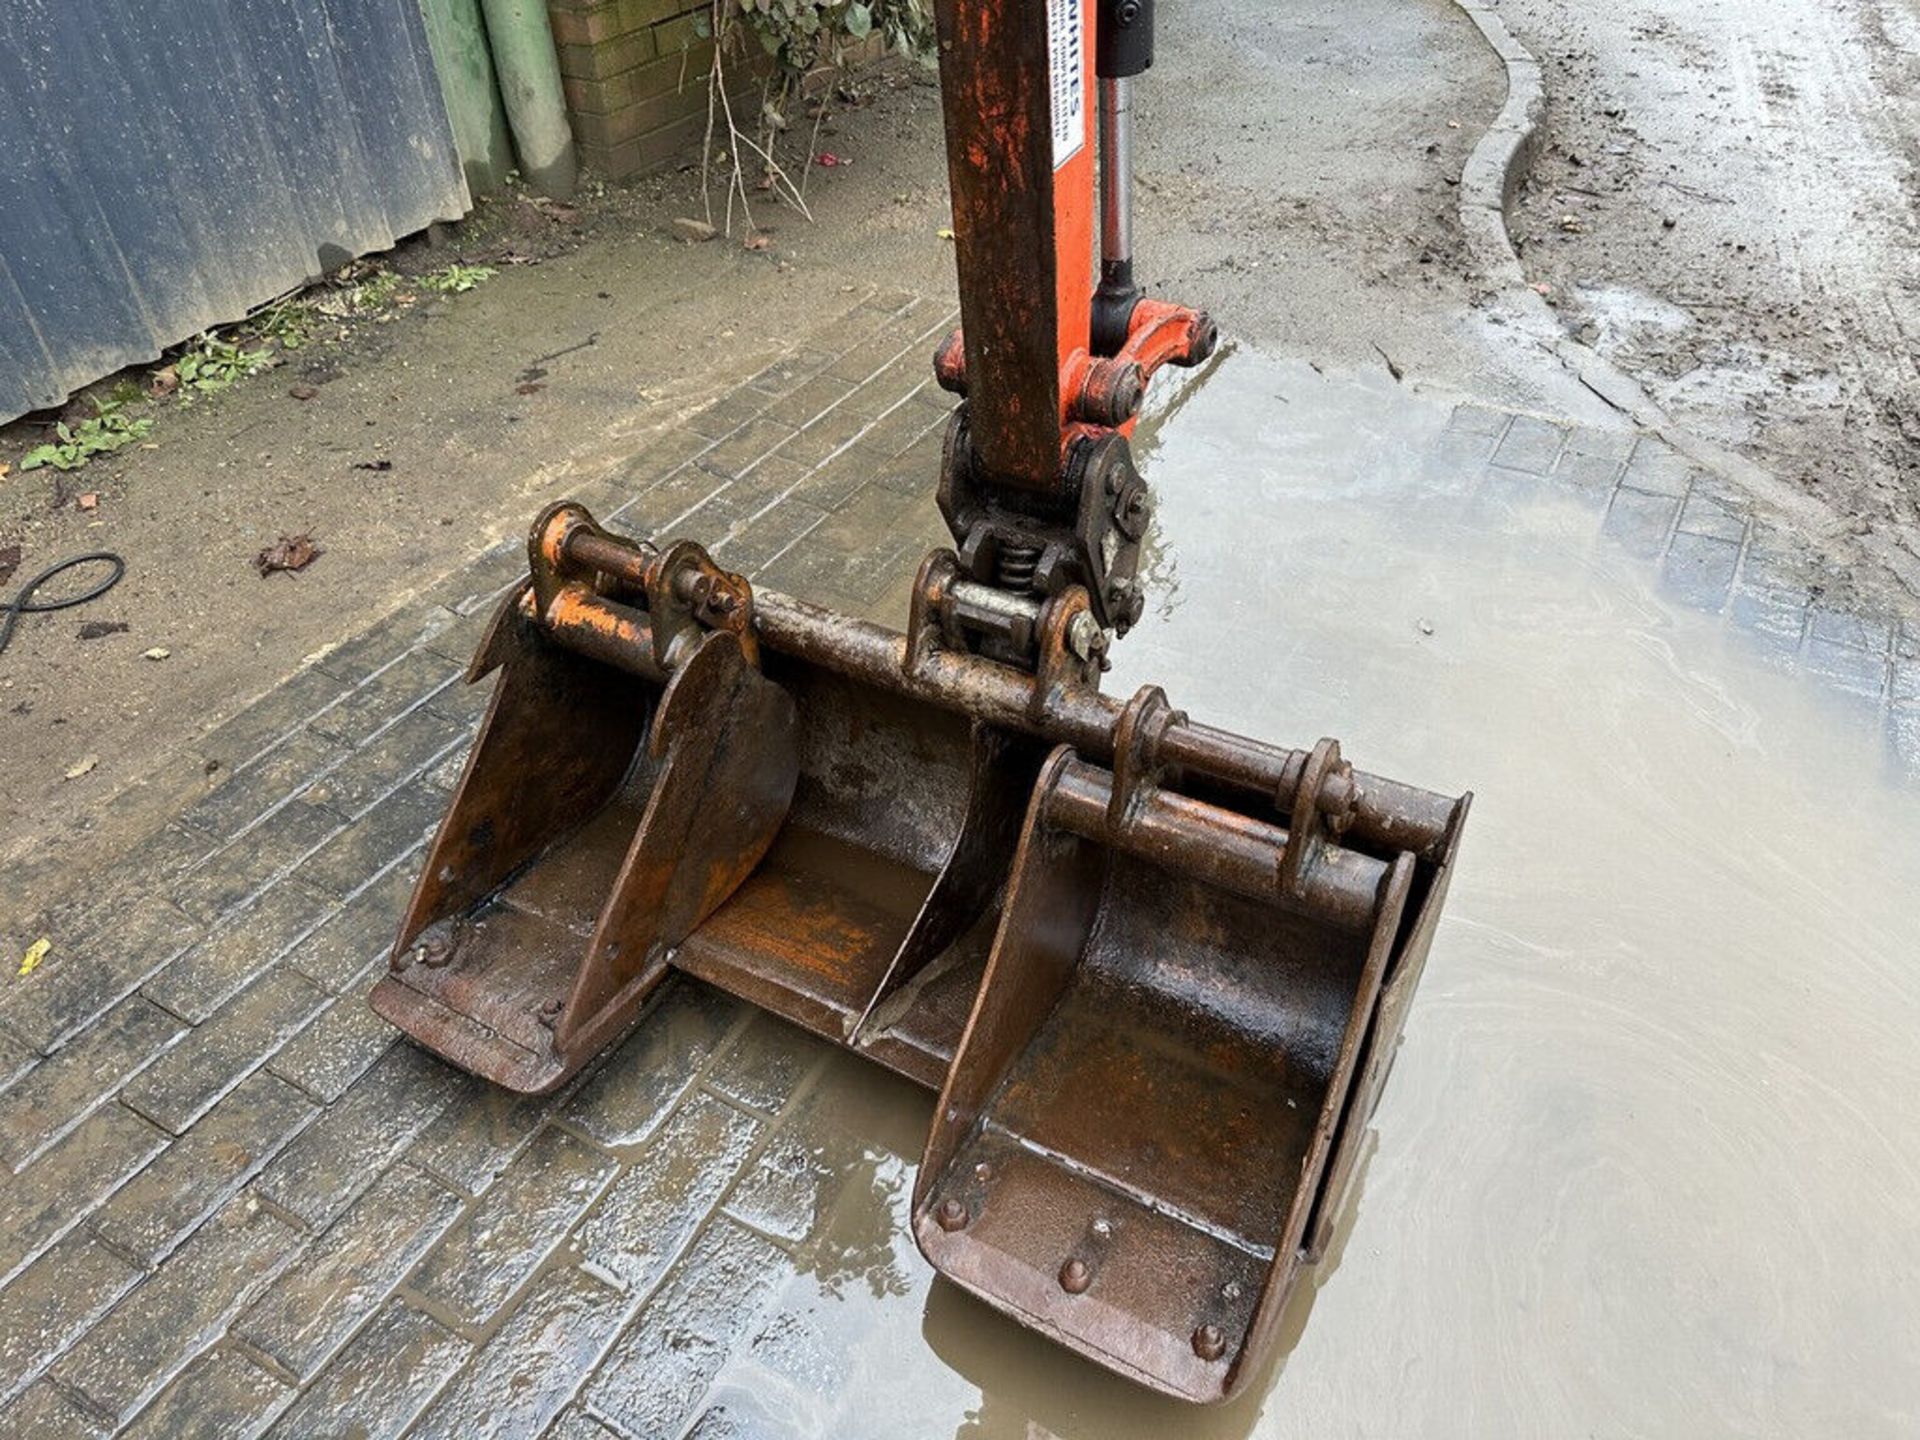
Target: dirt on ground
point(1726, 207)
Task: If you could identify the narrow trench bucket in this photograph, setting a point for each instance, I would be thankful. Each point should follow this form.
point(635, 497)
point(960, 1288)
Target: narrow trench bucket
point(632, 769)
point(1164, 1083)
point(1156, 971)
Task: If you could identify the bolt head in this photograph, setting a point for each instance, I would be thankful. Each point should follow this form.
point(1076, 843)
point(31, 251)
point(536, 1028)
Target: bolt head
point(951, 1215)
point(1075, 1276)
point(1209, 1342)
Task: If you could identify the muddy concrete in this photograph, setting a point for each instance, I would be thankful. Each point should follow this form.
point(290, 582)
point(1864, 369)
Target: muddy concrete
point(1725, 207)
point(1644, 1165)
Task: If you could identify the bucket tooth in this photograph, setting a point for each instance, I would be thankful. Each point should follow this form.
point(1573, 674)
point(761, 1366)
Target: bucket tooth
point(1139, 1128)
point(622, 786)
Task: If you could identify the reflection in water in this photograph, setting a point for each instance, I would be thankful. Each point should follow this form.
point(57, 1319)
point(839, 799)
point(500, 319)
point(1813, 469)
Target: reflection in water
point(851, 1246)
point(1646, 1164)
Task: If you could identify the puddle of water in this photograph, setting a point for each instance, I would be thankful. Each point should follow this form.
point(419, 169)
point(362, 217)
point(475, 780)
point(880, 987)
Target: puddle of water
point(1646, 1164)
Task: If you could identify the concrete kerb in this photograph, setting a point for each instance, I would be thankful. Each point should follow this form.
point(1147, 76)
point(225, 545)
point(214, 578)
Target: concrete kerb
point(1499, 164)
point(1491, 181)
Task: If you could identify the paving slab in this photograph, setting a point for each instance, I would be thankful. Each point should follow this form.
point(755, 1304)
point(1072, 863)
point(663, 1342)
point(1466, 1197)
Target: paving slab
point(242, 1202)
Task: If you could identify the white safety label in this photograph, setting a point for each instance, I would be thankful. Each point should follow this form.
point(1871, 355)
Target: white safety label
point(1066, 63)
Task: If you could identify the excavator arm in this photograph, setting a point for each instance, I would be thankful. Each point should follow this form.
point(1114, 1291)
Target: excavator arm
point(1053, 357)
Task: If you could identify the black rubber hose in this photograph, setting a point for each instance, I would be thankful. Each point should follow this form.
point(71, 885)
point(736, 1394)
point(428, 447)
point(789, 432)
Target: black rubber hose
point(25, 604)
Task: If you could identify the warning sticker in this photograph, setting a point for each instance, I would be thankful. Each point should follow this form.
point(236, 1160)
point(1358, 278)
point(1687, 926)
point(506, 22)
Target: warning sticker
point(1067, 67)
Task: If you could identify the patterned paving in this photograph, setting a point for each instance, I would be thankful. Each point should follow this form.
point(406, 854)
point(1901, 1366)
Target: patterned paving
point(238, 1204)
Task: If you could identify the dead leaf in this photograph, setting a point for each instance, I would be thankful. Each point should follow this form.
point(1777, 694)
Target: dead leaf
point(528, 387)
point(289, 552)
point(36, 952)
point(89, 500)
point(688, 228)
point(94, 629)
point(759, 240)
point(828, 160)
point(158, 652)
point(5, 469)
point(9, 562)
point(945, 232)
point(303, 392)
point(82, 766)
point(164, 381)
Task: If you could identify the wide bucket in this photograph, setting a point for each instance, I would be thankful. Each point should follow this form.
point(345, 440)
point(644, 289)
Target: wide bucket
point(1166, 1076)
point(1157, 970)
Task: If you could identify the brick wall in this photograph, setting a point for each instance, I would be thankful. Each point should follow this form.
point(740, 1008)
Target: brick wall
point(635, 73)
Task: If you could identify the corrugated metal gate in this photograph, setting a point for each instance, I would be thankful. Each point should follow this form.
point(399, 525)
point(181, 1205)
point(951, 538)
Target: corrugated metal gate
point(166, 167)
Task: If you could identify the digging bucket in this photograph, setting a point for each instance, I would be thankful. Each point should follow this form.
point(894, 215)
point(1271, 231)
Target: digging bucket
point(1163, 1086)
point(880, 882)
point(870, 920)
point(633, 767)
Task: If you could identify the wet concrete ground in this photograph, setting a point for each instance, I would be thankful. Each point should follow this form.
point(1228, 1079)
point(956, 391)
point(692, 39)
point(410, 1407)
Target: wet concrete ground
point(1644, 1165)
point(1643, 1159)
point(1647, 1133)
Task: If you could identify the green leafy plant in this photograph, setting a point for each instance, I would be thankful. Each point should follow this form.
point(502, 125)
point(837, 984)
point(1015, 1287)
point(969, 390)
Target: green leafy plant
point(210, 364)
point(109, 430)
point(457, 279)
point(375, 292)
point(289, 323)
